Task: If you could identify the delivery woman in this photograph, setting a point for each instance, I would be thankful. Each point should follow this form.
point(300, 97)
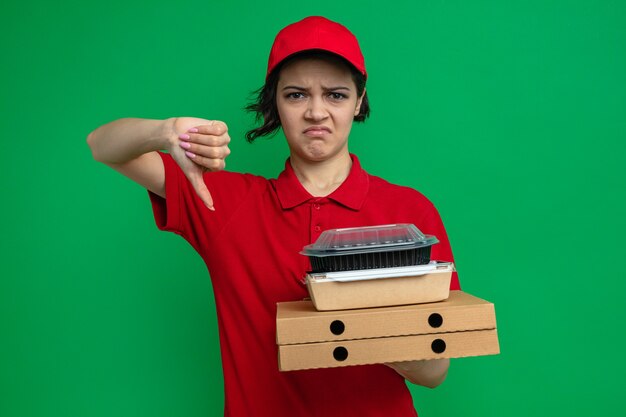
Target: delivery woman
point(249, 229)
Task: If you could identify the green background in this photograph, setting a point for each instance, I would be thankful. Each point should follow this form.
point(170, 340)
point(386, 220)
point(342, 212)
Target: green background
point(509, 115)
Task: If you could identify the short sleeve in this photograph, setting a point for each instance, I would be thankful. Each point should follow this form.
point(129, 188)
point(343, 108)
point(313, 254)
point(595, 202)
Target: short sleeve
point(166, 211)
point(183, 212)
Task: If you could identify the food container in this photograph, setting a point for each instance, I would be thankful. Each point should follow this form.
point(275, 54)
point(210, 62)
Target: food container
point(371, 247)
point(380, 287)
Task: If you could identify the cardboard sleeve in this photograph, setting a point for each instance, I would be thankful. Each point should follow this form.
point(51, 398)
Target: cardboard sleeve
point(336, 295)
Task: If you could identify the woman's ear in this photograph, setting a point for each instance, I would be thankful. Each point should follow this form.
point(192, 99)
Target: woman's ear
point(357, 110)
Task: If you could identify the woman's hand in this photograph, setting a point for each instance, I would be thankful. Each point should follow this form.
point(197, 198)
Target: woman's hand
point(427, 373)
point(199, 145)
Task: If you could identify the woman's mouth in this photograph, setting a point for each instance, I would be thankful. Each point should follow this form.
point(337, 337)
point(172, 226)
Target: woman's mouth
point(316, 131)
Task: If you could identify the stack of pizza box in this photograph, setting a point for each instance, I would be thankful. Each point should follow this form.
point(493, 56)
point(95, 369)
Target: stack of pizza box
point(376, 297)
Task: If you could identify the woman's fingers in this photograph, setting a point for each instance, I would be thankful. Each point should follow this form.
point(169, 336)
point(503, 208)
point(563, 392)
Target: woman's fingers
point(213, 152)
point(212, 164)
point(211, 158)
point(206, 139)
point(207, 145)
point(214, 128)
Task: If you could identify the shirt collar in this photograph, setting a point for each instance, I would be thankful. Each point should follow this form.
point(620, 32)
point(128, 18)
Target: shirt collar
point(351, 193)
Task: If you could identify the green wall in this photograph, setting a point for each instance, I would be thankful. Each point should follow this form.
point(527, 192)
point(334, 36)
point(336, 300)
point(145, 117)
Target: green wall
point(509, 115)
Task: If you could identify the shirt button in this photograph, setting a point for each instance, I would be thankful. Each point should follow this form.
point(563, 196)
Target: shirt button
point(317, 206)
point(317, 228)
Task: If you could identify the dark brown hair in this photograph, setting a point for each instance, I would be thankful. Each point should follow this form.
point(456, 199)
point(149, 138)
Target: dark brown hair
point(265, 102)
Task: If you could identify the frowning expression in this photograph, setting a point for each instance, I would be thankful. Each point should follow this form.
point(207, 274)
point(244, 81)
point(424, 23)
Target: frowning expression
point(317, 101)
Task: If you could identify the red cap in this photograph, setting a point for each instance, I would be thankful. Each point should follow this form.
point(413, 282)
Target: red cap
point(316, 32)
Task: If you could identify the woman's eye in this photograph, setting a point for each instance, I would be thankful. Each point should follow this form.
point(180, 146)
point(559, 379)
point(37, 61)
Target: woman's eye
point(338, 96)
point(295, 95)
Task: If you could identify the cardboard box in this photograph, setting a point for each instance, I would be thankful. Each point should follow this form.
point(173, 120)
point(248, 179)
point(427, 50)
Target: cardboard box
point(300, 322)
point(387, 349)
point(462, 325)
point(337, 294)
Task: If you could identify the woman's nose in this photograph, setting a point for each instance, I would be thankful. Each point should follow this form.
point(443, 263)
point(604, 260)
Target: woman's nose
point(316, 109)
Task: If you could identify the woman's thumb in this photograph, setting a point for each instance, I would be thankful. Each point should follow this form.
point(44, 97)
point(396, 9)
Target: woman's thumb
point(201, 189)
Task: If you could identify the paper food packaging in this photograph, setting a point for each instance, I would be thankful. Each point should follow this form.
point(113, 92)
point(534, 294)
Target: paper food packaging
point(461, 326)
point(380, 287)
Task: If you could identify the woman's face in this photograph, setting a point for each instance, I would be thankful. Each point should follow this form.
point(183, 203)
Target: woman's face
point(317, 101)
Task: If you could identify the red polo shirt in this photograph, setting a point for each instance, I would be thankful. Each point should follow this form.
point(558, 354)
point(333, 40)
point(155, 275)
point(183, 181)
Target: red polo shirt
point(250, 245)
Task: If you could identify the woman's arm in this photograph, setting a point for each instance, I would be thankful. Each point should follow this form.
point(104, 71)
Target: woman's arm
point(428, 373)
point(129, 146)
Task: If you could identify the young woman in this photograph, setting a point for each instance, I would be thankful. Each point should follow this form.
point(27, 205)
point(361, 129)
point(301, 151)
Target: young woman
point(249, 229)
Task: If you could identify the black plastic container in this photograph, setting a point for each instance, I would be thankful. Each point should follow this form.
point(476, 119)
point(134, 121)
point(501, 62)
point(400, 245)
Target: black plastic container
point(356, 248)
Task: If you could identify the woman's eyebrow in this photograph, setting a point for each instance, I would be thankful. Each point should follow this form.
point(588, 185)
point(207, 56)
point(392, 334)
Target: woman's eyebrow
point(295, 87)
point(339, 87)
point(335, 88)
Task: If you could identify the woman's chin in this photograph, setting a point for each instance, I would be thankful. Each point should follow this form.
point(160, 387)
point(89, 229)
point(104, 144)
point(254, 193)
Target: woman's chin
point(312, 153)
point(318, 153)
